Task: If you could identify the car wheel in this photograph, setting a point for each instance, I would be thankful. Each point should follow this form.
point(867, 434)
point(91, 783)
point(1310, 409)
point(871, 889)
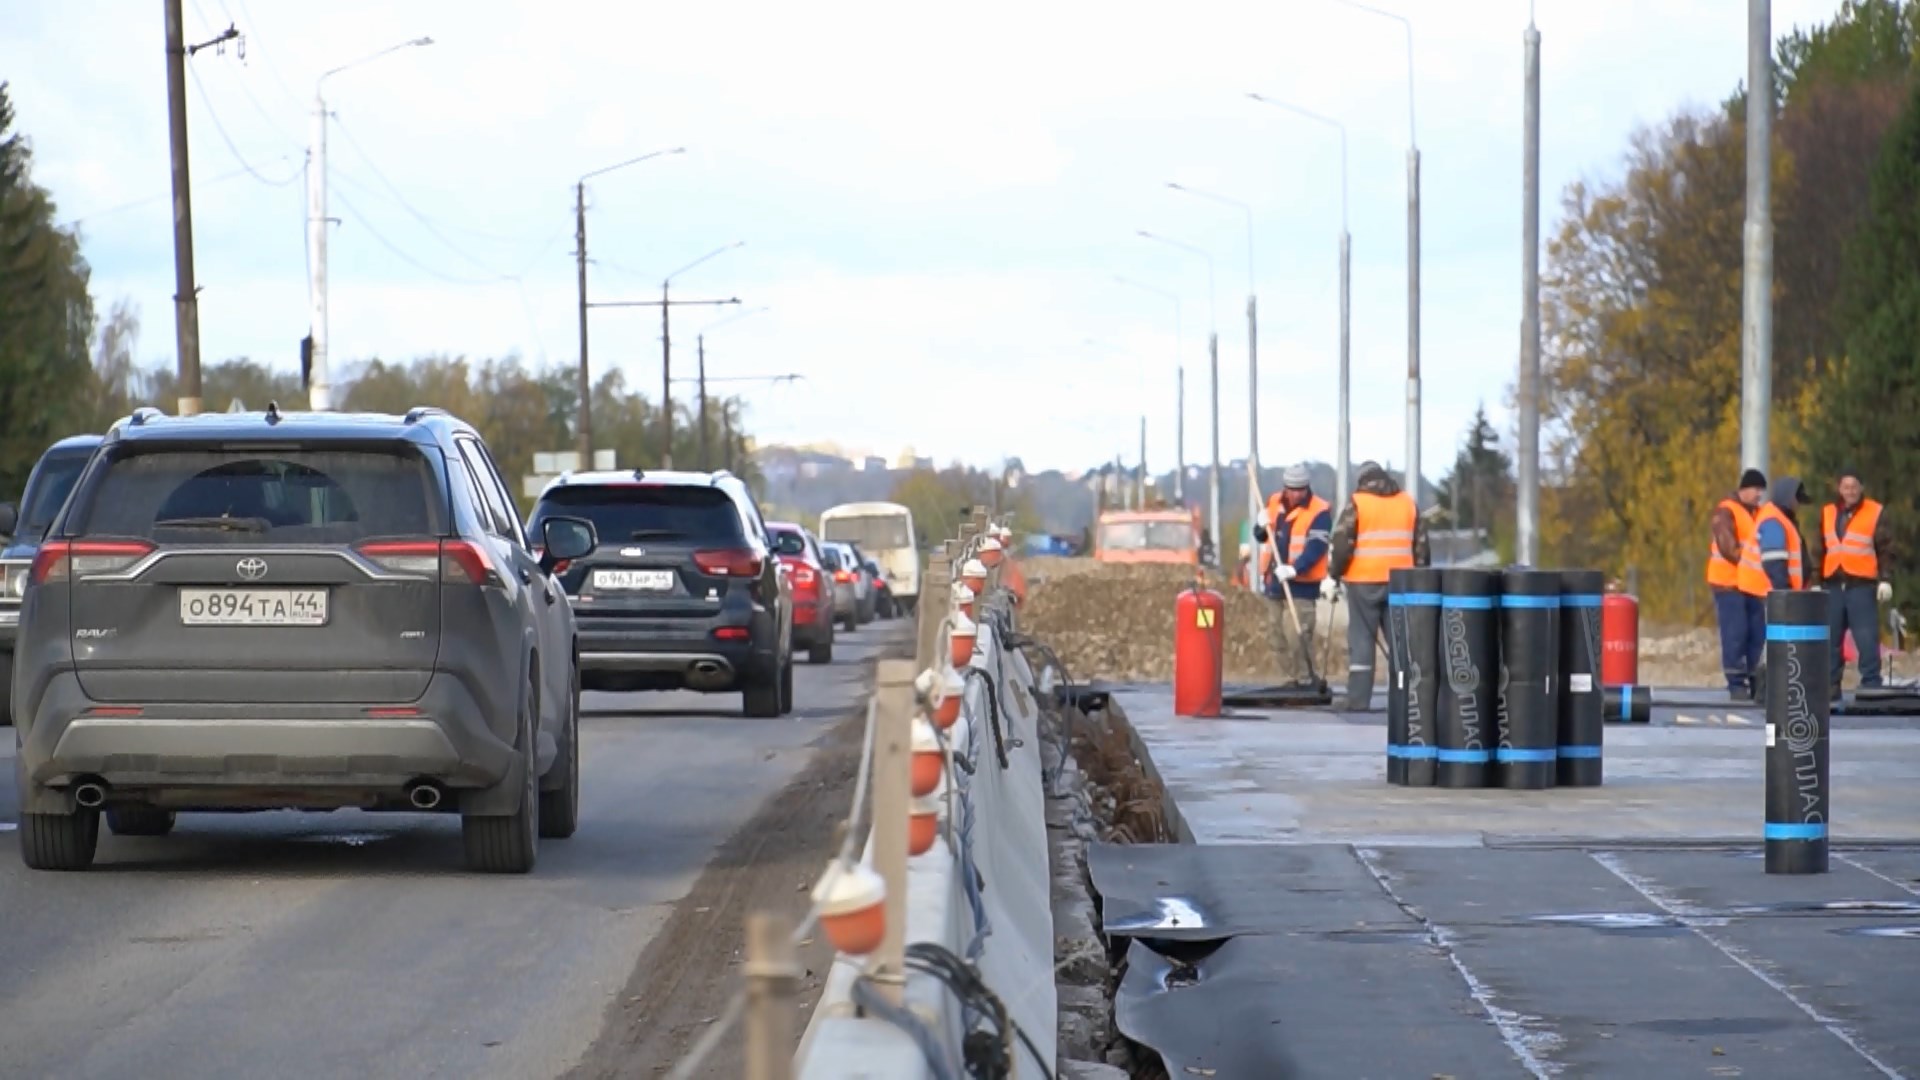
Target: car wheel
point(761, 700)
point(822, 651)
point(560, 808)
point(6, 690)
point(851, 622)
point(59, 841)
point(509, 844)
point(139, 821)
point(786, 687)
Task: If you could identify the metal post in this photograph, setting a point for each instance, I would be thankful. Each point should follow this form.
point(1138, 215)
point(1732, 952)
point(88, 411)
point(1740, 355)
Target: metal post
point(706, 463)
point(1529, 495)
point(666, 382)
point(1143, 461)
point(1343, 466)
point(1180, 437)
point(1756, 338)
point(773, 984)
point(1253, 392)
point(1413, 325)
point(583, 438)
point(186, 305)
point(892, 799)
point(1213, 476)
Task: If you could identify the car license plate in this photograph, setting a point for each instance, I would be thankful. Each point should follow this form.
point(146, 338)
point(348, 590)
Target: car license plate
point(645, 580)
point(253, 607)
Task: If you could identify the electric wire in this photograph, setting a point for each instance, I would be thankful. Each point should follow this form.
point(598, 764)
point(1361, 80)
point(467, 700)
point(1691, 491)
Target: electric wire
point(206, 100)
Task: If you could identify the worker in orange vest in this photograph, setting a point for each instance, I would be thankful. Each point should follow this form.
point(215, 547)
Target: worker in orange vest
point(1774, 556)
point(1742, 618)
point(1379, 530)
point(1853, 551)
point(1299, 523)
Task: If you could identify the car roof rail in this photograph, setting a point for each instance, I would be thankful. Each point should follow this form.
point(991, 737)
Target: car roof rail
point(415, 414)
point(143, 414)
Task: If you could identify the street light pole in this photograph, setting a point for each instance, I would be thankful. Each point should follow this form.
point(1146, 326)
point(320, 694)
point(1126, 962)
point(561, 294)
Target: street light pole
point(1343, 462)
point(1253, 339)
point(1528, 526)
point(1413, 260)
point(583, 436)
point(1756, 330)
point(1180, 400)
point(666, 353)
point(1213, 361)
point(320, 390)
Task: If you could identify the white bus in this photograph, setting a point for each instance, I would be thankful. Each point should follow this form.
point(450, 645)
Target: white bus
point(883, 531)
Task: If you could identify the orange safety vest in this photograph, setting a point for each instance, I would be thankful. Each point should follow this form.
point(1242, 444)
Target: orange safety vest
point(1753, 575)
point(1722, 574)
point(1383, 536)
point(1299, 522)
point(1852, 553)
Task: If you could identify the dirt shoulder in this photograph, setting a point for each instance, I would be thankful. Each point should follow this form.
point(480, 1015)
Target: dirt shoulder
point(690, 970)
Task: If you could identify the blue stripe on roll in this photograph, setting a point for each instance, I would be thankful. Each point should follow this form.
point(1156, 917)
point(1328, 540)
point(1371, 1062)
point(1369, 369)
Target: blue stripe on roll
point(1509, 753)
point(1626, 703)
point(1814, 831)
point(1580, 600)
point(1475, 603)
point(1412, 753)
point(1778, 632)
point(1413, 599)
point(1579, 751)
point(1516, 601)
point(1465, 757)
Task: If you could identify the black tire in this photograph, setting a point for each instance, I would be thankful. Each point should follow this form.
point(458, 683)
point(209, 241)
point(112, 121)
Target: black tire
point(510, 844)
point(761, 700)
point(139, 821)
point(59, 841)
point(6, 689)
point(786, 687)
point(560, 808)
point(851, 623)
point(821, 652)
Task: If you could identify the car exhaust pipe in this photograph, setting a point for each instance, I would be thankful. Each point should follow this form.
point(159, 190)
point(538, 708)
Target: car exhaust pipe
point(707, 669)
point(424, 795)
point(90, 794)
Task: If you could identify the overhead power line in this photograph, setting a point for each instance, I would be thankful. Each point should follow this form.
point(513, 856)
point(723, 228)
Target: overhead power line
point(213, 115)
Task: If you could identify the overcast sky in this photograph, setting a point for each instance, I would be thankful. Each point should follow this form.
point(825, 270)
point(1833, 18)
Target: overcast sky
point(935, 201)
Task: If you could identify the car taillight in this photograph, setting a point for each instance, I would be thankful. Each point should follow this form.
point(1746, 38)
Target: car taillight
point(731, 633)
point(457, 562)
point(803, 575)
point(733, 562)
point(64, 560)
point(843, 575)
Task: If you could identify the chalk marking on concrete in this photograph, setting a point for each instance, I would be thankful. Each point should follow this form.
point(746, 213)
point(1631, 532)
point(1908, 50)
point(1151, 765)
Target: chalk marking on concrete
point(1526, 1036)
point(1690, 917)
point(1895, 882)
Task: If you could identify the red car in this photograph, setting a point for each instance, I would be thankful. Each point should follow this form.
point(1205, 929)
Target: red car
point(812, 589)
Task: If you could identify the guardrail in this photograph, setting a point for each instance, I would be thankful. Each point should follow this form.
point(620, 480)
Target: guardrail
point(943, 918)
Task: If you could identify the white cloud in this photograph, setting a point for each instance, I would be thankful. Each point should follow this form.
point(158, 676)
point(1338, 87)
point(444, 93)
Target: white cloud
point(922, 191)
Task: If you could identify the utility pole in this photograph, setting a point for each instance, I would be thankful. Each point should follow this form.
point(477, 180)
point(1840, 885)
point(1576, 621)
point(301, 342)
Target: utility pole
point(1343, 467)
point(1253, 394)
point(583, 437)
point(1756, 336)
point(1529, 495)
point(186, 295)
point(1143, 461)
point(1180, 437)
point(1413, 324)
point(1213, 478)
point(666, 382)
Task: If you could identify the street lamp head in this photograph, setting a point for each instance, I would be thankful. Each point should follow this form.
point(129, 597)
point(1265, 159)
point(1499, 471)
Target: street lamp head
point(419, 41)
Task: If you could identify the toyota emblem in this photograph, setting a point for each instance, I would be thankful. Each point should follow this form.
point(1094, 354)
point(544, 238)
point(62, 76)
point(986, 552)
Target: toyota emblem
point(251, 568)
point(632, 552)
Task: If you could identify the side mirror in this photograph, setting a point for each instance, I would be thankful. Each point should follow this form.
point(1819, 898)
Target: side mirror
point(566, 538)
point(9, 519)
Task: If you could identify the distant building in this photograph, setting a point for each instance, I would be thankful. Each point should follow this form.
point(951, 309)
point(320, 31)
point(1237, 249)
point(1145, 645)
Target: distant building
point(873, 464)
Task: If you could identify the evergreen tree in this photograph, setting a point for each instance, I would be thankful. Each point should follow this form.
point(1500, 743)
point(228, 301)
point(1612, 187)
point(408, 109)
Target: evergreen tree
point(1869, 415)
point(46, 316)
point(1478, 491)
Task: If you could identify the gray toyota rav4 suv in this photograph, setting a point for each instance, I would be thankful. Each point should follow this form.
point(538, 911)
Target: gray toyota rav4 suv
point(253, 611)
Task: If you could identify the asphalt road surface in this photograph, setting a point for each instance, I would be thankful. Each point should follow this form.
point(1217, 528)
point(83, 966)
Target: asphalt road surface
point(355, 945)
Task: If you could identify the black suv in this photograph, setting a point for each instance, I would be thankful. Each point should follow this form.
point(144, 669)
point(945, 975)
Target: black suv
point(48, 486)
point(684, 591)
point(251, 611)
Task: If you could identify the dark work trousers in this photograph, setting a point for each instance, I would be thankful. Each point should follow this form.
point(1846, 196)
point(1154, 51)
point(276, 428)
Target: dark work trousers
point(1854, 606)
point(1743, 635)
point(1366, 616)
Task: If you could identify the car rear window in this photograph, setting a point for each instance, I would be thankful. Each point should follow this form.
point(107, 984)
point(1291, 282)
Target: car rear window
point(879, 532)
point(51, 486)
point(666, 512)
point(788, 542)
point(319, 495)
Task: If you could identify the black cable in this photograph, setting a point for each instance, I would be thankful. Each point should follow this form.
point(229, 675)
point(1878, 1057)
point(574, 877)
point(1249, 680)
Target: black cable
point(977, 997)
point(870, 1001)
point(993, 714)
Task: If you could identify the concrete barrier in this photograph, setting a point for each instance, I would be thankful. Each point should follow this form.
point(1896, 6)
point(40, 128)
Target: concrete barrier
point(996, 820)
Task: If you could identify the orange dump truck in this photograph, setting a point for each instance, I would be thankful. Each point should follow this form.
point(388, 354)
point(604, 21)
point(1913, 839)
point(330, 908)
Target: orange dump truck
point(1168, 535)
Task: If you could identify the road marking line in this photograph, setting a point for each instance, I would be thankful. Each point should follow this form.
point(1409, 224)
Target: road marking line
point(1691, 918)
point(1526, 1036)
point(1895, 882)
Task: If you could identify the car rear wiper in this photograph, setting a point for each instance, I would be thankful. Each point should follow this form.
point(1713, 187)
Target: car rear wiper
point(223, 524)
point(652, 534)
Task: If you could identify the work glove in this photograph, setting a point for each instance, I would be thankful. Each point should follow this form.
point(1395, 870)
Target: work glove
point(1329, 589)
point(1260, 533)
point(1285, 572)
point(1885, 592)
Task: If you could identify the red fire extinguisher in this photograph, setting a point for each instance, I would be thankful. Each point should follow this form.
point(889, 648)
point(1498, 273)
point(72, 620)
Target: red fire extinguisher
point(1199, 647)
